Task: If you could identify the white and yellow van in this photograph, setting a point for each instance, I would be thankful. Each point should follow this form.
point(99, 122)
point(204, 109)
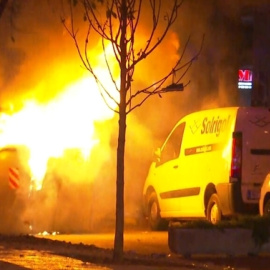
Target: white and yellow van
point(211, 166)
point(264, 203)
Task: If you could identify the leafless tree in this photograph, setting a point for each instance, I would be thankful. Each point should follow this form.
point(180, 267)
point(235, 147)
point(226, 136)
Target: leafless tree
point(117, 23)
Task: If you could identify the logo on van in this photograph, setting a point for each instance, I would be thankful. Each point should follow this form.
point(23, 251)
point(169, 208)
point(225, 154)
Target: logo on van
point(260, 121)
point(215, 125)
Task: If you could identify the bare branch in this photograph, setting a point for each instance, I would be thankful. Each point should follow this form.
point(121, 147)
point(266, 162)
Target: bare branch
point(157, 87)
point(95, 23)
point(170, 18)
point(188, 64)
point(155, 20)
point(109, 67)
point(85, 60)
point(107, 32)
point(162, 91)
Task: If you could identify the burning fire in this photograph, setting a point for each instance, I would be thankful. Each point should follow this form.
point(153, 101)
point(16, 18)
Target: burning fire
point(67, 121)
point(63, 123)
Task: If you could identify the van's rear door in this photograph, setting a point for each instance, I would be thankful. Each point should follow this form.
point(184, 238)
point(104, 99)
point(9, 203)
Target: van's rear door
point(254, 124)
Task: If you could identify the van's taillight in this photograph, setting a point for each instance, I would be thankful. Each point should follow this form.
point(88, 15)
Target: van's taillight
point(236, 164)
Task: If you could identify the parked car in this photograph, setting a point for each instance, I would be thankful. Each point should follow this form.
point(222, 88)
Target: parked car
point(264, 204)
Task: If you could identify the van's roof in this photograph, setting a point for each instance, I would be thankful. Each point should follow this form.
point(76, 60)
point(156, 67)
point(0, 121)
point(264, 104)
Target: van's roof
point(232, 108)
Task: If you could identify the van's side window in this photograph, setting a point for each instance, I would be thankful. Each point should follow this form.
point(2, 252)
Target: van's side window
point(171, 149)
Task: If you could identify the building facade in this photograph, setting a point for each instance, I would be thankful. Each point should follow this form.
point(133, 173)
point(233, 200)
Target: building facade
point(254, 70)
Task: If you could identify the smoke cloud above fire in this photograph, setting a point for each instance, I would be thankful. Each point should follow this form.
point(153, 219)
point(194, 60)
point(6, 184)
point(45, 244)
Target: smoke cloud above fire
point(41, 74)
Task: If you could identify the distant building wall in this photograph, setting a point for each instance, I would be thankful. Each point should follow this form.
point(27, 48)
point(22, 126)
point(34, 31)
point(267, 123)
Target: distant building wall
point(261, 56)
point(256, 54)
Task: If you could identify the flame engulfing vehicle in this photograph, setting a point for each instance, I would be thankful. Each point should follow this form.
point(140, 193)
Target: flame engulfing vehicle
point(57, 205)
point(15, 190)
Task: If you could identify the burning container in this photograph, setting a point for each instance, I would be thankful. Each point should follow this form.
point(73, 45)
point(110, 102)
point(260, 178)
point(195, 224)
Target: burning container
point(15, 190)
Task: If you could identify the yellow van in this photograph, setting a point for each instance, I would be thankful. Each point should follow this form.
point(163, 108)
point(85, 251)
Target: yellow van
point(264, 203)
point(211, 166)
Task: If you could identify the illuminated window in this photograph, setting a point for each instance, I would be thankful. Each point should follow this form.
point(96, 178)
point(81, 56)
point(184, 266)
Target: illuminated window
point(171, 149)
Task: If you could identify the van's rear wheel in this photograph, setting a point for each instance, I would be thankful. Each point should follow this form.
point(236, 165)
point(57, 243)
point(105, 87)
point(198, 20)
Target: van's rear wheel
point(213, 212)
point(266, 208)
point(154, 218)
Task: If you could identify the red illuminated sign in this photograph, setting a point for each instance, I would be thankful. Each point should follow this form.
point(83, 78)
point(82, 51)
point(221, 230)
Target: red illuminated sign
point(245, 79)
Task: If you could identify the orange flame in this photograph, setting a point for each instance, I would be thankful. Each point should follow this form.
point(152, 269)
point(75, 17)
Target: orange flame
point(48, 129)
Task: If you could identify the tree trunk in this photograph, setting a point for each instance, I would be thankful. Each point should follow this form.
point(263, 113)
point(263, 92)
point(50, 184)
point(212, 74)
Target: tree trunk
point(120, 181)
point(119, 228)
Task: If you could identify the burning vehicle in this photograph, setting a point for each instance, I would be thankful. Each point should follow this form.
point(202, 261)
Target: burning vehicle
point(27, 207)
point(50, 157)
point(15, 191)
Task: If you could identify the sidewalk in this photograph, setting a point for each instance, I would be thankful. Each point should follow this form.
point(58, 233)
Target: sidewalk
point(29, 252)
point(39, 260)
point(25, 252)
